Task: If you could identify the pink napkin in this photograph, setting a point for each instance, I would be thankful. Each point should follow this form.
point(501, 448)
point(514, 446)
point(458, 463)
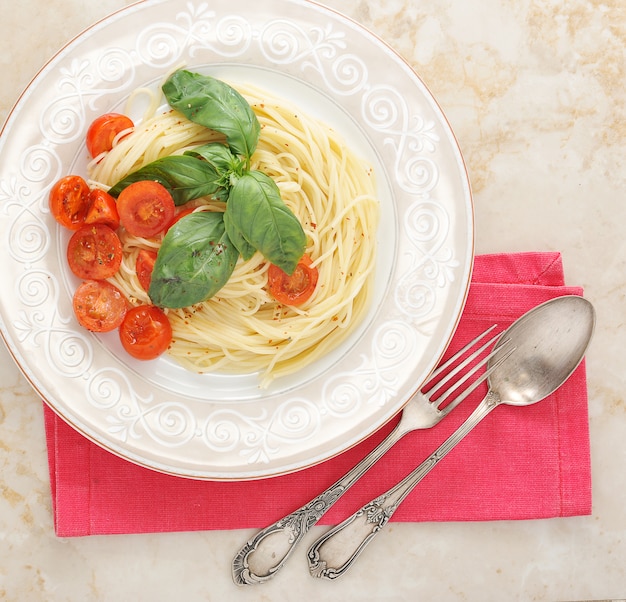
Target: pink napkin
point(519, 463)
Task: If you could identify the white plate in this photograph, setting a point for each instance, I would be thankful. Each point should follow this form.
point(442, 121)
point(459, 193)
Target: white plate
point(218, 426)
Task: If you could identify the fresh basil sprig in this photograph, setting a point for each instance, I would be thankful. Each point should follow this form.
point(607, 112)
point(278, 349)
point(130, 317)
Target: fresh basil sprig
point(198, 253)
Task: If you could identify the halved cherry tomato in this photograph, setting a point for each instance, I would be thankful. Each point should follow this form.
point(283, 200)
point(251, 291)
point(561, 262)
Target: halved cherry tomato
point(294, 289)
point(146, 208)
point(144, 266)
point(104, 129)
point(94, 252)
point(69, 201)
point(102, 209)
point(99, 305)
point(145, 332)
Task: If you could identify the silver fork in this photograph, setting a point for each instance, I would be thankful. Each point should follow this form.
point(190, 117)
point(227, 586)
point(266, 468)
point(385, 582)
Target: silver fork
point(265, 554)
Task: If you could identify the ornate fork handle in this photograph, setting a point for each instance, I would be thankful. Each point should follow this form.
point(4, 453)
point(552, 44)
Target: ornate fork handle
point(269, 549)
point(335, 552)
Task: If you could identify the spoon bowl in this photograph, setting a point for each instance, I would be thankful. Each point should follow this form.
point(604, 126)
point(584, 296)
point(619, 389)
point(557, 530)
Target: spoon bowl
point(550, 341)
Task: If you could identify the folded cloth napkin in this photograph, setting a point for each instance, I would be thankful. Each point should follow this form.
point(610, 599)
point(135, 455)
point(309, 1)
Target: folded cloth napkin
point(519, 463)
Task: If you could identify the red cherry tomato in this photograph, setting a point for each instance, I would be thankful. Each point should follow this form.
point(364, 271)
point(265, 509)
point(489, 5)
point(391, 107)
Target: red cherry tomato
point(145, 332)
point(94, 252)
point(99, 305)
point(144, 266)
point(294, 289)
point(69, 201)
point(102, 209)
point(146, 208)
point(104, 129)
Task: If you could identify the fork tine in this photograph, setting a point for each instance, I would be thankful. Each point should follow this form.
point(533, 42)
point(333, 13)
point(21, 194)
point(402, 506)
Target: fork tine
point(458, 355)
point(455, 402)
point(441, 384)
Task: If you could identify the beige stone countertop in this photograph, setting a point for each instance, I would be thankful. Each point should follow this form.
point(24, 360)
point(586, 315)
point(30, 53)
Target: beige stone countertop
point(535, 93)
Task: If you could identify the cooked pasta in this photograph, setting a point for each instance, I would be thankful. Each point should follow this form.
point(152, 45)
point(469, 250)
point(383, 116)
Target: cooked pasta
point(332, 192)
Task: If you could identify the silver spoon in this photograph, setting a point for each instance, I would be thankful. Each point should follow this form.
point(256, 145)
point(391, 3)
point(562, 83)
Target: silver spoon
point(549, 342)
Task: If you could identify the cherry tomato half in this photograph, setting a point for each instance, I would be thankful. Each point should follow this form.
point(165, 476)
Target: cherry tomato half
point(145, 332)
point(94, 252)
point(69, 201)
point(99, 305)
point(146, 208)
point(102, 209)
point(104, 129)
point(144, 266)
point(294, 289)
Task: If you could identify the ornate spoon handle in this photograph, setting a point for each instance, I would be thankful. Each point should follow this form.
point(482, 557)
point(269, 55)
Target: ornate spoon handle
point(333, 553)
point(263, 556)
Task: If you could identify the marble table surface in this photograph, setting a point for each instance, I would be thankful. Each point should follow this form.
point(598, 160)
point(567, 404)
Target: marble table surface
point(535, 92)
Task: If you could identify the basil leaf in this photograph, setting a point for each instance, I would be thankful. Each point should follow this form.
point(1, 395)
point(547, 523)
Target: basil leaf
point(195, 261)
point(186, 177)
point(219, 156)
point(215, 105)
point(227, 165)
point(257, 211)
point(235, 235)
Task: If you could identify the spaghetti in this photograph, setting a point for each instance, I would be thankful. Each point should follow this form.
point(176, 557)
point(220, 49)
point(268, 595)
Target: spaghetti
point(331, 191)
